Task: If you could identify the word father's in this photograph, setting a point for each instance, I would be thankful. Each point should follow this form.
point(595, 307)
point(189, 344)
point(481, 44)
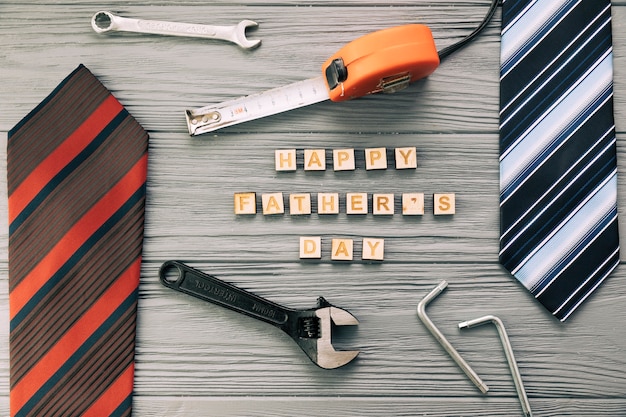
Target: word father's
point(409, 204)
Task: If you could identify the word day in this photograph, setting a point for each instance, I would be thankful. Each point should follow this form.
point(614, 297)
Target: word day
point(342, 249)
point(345, 159)
point(409, 204)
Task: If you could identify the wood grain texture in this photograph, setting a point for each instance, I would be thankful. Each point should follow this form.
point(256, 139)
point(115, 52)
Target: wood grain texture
point(196, 359)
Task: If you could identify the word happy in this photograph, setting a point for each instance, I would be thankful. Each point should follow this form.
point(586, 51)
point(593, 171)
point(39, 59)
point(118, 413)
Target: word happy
point(345, 159)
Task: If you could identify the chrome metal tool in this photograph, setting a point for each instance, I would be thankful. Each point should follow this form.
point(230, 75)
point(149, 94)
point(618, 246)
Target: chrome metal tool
point(508, 351)
point(104, 21)
point(311, 329)
point(454, 354)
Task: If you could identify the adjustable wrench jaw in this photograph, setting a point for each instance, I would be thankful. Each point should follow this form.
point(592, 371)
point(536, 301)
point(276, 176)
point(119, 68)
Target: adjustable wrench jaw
point(327, 356)
point(312, 330)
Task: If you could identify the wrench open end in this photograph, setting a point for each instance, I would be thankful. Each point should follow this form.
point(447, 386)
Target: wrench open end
point(240, 35)
point(327, 356)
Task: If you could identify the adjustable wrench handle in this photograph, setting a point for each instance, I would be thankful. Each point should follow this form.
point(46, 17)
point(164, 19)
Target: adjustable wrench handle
point(180, 277)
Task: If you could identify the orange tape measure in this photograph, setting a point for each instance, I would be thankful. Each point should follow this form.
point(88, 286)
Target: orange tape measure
point(384, 61)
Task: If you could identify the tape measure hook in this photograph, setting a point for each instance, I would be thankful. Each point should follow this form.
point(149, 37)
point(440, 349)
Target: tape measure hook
point(195, 120)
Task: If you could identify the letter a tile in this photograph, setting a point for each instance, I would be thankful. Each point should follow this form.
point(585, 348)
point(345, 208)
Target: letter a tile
point(341, 249)
point(273, 203)
point(314, 160)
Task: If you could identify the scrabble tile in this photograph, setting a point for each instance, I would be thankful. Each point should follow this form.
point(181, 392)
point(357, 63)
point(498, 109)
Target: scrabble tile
point(343, 159)
point(406, 158)
point(376, 158)
point(285, 159)
point(310, 247)
point(413, 204)
point(383, 204)
point(273, 203)
point(299, 204)
point(356, 203)
point(328, 203)
point(245, 203)
point(341, 249)
point(314, 160)
point(373, 249)
point(443, 204)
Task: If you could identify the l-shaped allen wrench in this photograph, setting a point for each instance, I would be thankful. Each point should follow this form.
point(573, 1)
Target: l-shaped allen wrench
point(421, 313)
point(508, 351)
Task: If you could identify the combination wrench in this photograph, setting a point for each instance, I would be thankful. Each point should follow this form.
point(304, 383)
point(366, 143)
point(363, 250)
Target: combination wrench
point(311, 329)
point(104, 21)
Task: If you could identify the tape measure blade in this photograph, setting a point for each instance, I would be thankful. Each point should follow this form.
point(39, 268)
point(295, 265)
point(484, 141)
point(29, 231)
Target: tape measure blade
point(256, 106)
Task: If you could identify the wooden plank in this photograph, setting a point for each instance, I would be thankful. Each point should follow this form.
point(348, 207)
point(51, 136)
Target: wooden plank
point(194, 358)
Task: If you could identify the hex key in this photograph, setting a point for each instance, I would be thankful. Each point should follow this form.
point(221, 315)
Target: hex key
point(508, 351)
point(421, 313)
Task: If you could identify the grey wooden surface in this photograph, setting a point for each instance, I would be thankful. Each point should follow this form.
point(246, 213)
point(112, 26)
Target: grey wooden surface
point(196, 359)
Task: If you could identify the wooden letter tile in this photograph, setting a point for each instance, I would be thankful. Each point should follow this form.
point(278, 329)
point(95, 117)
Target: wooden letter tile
point(343, 159)
point(300, 203)
point(373, 249)
point(285, 159)
point(328, 203)
point(406, 158)
point(413, 204)
point(341, 249)
point(245, 203)
point(443, 204)
point(383, 204)
point(310, 247)
point(273, 203)
point(314, 160)
point(376, 158)
point(356, 203)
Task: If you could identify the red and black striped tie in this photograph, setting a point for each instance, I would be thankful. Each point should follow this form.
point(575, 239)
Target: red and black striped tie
point(77, 169)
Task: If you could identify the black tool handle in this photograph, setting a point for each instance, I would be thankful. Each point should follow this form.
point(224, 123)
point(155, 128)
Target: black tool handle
point(180, 277)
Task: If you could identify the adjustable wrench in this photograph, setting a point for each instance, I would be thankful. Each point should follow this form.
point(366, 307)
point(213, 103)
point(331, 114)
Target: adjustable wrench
point(311, 329)
point(104, 21)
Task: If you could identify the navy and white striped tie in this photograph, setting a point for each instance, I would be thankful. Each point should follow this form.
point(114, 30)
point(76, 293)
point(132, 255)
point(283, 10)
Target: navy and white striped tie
point(558, 175)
